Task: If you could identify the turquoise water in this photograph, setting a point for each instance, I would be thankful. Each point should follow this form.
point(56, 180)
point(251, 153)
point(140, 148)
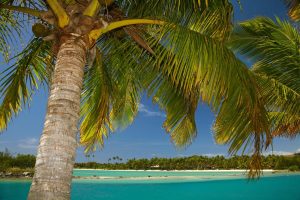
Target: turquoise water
point(271, 187)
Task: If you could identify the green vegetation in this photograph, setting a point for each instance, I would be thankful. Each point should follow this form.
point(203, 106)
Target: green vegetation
point(294, 168)
point(291, 163)
point(16, 164)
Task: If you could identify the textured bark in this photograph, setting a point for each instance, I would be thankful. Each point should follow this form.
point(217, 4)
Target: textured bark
point(57, 149)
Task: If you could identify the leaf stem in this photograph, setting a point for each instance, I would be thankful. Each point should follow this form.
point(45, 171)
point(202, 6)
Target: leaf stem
point(29, 11)
point(59, 12)
point(92, 8)
point(96, 33)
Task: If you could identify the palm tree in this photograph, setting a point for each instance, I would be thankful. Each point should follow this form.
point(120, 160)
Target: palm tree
point(98, 56)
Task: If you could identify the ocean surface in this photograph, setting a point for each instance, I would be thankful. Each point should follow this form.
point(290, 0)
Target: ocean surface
point(167, 185)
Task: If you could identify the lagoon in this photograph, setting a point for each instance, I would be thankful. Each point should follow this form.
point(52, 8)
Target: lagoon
point(169, 185)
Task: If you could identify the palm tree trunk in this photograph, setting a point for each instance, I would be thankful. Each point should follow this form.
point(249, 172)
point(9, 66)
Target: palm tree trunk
point(57, 148)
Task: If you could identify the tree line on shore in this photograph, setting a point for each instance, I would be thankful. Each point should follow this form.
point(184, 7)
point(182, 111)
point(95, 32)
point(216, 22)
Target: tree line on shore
point(199, 163)
point(22, 161)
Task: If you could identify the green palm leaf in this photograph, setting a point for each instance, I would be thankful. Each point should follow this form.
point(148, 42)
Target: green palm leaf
point(12, 24)
point(274, 48)
point(9, 29)
point(19, 81)
point(111, 91)
point(196, 63)
point(188, 13)
point(95, 105)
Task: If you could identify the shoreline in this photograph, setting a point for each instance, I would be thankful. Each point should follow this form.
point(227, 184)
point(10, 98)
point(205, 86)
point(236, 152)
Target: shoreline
point(115, 179)
point(241, 173)
point(158, 170)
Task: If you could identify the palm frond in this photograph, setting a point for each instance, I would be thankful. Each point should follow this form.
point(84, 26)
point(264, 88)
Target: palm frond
point(294, 9)
point(278, 96)
point(285, 124)
point(184, 13)
point(181, 125)
point(36, 4)
point(14, 24)
point(9, 29)
point(111, 91)
point(274, 49)
point(195, 63)
point(190, 63)
point(95, 107)
point(19, 81)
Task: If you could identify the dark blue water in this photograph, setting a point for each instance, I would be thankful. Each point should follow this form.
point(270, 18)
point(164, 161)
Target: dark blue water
point(268, 188)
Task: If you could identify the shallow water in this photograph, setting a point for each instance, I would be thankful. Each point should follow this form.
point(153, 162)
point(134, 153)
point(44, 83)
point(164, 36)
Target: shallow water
point(270, 187)
point(153, 173)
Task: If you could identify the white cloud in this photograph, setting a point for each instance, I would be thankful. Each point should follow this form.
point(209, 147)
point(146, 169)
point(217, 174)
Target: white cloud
point(149, 113)
point(30, 143)
point(281, 153)
point(298, 150)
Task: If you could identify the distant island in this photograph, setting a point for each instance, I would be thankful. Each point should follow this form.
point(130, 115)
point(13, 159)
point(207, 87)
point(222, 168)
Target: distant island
point(197, 162)
point(22, 165)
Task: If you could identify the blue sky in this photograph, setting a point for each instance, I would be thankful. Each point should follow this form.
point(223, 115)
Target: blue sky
point(145, 137)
